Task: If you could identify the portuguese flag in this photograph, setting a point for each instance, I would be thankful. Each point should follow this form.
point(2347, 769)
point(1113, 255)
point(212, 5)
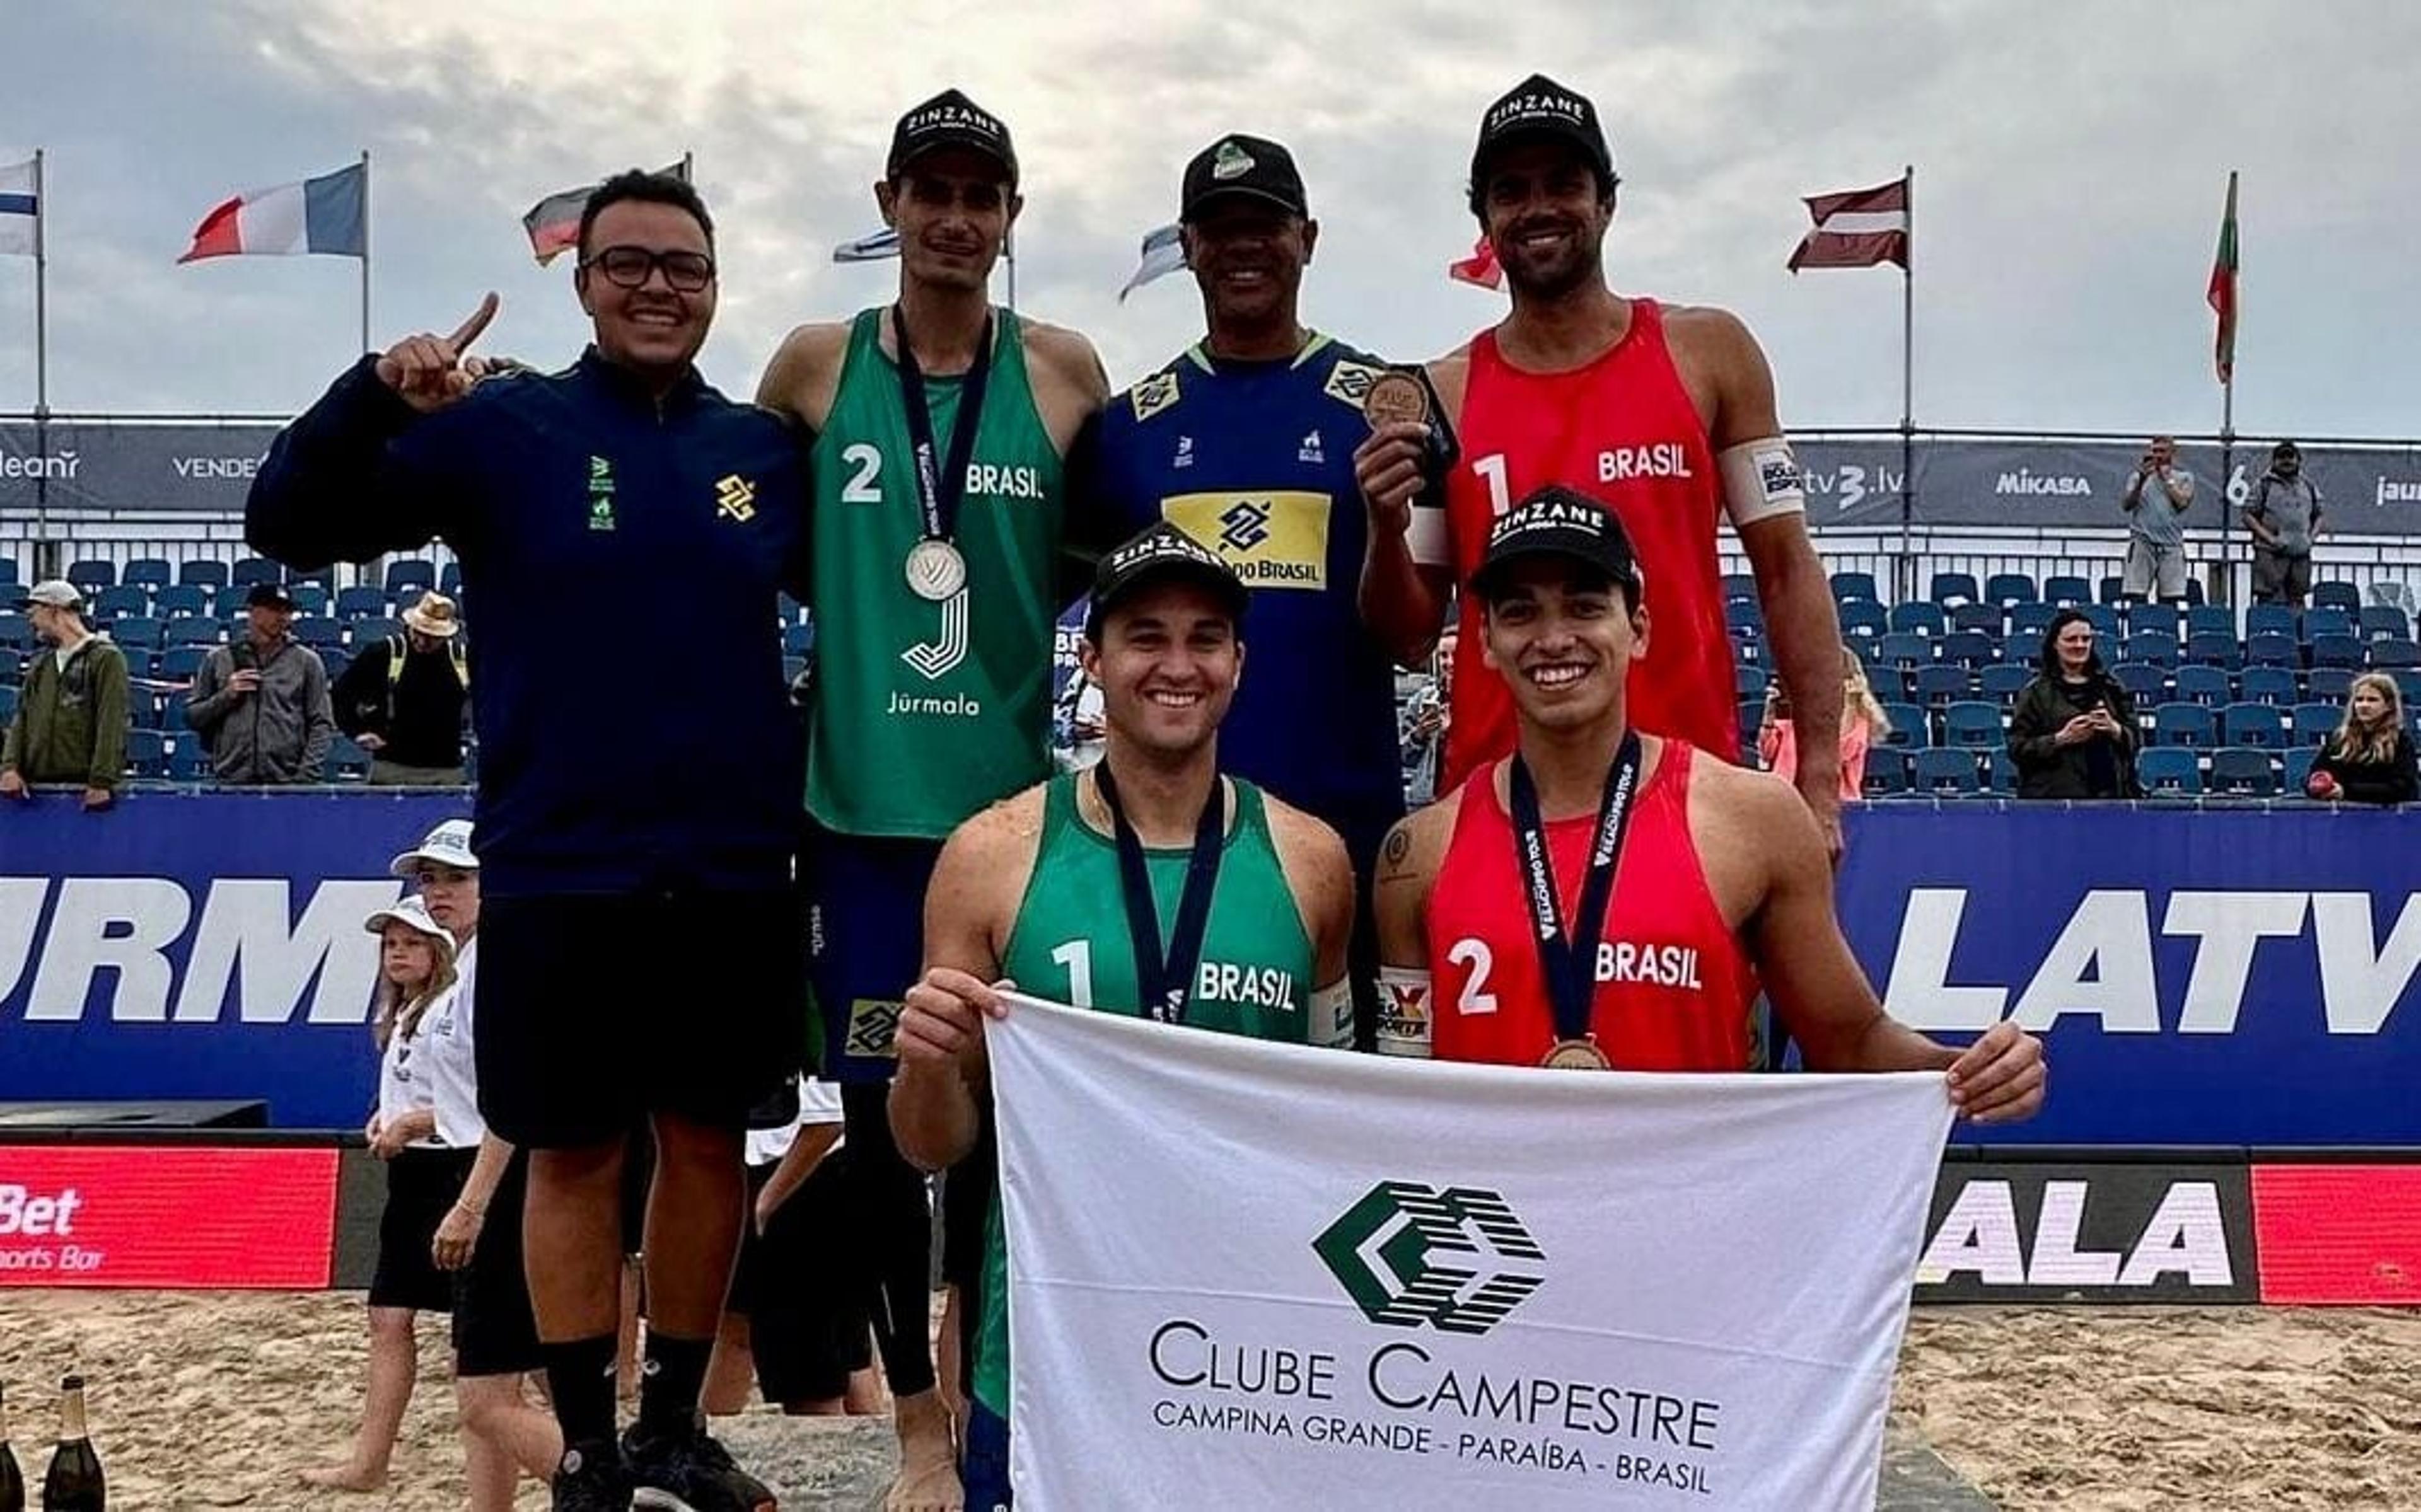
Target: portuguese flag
point(2223, 289)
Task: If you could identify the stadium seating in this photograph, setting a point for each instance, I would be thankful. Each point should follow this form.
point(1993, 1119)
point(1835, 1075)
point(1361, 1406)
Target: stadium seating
point(2314, 721)
point(2146, 683)
point(181, 599)
point(2299, 767)
point(411, 575)
point(2253, 725)
point(136, 632)
point(2250, 773)
point(1973, 724)
point(1747, 683)
point(1945, 771)
point(2273, 651)
point(147, 753)
point(2329, 682)
point(252, 569)
point(2343, 596)
point(1954, 587)
point(1987, 617)
point(1864, 617)
point(2205, 685)
point(2157, 647)
point(1845, 585)
point(188, 761)
point(1920, 618)
point(150, 573)
point(1887, 772)
point(1743, 614)
point(2385, 620)
point(347, 761)
point(1907, 723)
point(2186, 725)
point(361, 601)
point(2059, 592)
point(2005, 680)
point(2006, 588)
point(1903, 650)
point(9, 570)
point(2270, 620)
point(2168, 769)
point(120, 599)
point(449, 582)
point(2390, 652)
point(2267, 685)
point(7, 702)
point(16, 633)
point(203, 573)
point(181, 663)
point(93, 575)
point(1937, 685)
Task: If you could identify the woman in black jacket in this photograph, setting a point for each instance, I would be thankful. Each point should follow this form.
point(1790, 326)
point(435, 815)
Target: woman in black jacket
point(2370, 759)
point(2073, 734)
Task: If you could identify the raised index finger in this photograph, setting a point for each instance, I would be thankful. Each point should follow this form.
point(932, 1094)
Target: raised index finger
point(469, 330)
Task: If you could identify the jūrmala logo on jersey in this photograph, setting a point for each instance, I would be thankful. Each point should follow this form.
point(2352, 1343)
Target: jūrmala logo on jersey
point(1457, 1259)
point(934, 659)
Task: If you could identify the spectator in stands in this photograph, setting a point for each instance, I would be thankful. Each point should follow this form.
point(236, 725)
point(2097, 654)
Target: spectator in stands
point(70, 720)
point(402, 699)
point(2284, 514)
point(424, 1176)
point(2158, 494)
point(263, 703)
point(1862, 724)
point(2370, 759)
point(1425, 720)
point(2073, 734)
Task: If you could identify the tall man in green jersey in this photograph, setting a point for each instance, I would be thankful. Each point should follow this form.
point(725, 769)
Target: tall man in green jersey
point(1147, 885)
point(939, 518)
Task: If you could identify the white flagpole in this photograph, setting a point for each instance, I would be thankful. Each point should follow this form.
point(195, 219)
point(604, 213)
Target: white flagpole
point(41, 370)
point(365, 249)
point(1907, 384)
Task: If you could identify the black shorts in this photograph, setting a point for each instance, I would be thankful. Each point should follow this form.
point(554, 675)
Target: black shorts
point(421, 1184)
point(595, 1010)
point(495, 1332)
point(968, 1189)
point(799, 1290)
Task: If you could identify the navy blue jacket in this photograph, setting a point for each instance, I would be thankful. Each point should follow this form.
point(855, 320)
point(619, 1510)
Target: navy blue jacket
point(621, 558)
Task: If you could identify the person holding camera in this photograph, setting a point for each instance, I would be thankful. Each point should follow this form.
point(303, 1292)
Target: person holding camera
point(2073, 734)
point(262, 702)
point(2158, 494)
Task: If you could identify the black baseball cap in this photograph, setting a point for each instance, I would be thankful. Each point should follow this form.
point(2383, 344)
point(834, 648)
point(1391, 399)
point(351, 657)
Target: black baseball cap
point(1253, 166)
point(273, 595)
point(1536, 107)
point(1559, 522)
point(1161, 554)
point(950, 119)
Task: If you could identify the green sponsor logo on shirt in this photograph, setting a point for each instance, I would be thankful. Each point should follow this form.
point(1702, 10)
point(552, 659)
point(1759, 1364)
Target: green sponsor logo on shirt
point(600, 493)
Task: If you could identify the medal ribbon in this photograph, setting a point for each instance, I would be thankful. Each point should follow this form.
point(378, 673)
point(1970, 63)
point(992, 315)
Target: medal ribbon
point(1567, 958)
point(938, 493)
point(1165, 980)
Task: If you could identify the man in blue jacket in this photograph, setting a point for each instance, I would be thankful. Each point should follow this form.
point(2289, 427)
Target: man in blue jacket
point(615, 861)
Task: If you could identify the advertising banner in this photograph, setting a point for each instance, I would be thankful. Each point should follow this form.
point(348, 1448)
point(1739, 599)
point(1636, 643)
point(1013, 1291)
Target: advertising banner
point(103, 1215)
point(2103, 1232)
point(85, 464)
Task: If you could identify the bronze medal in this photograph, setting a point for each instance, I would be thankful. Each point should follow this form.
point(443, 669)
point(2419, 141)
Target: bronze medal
point(1576, 1056)
point(1394, 395)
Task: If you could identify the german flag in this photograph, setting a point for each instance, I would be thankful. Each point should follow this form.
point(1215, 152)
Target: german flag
point(554, 223)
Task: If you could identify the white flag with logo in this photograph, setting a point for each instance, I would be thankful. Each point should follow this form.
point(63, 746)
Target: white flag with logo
point(1248, 1275)
point(21, 211)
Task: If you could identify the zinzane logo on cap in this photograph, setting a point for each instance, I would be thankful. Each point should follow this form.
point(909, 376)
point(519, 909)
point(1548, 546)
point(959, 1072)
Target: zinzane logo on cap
point(1552, 515)
point(1535, 105)
point(940, 117)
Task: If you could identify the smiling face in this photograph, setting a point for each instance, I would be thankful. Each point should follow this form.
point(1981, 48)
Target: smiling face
point(1546, 214)
point(1562, 639)
point(1167, 665)
point(655, 328)
point(1248, 257)
point(953, 209)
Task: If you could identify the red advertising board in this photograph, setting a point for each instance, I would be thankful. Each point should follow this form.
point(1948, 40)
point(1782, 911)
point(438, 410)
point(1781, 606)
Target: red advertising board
point(2339, 1233)
point(166, 1216)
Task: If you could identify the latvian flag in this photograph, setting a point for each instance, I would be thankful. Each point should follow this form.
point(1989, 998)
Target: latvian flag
point(323, 215)
point(1856, 229)
point(554, 223)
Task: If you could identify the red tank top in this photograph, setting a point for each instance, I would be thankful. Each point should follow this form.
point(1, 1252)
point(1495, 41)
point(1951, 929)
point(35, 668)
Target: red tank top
point(1673, 985)
point(1622, 430)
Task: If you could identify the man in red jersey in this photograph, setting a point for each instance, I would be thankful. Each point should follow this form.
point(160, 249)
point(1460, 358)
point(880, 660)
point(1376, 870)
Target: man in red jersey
point(1663, 414)
point(1607, 898)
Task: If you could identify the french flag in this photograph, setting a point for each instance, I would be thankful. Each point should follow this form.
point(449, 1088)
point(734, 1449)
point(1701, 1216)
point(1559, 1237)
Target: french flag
point(327, 215)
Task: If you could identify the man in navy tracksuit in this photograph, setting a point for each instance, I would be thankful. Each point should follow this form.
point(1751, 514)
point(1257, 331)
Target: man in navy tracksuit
point(616, 861)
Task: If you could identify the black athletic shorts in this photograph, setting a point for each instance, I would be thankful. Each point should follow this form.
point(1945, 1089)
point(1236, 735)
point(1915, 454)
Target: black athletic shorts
point(421, 1184)
point(595, 1010)
point(800, 1290)
point(495, 1333)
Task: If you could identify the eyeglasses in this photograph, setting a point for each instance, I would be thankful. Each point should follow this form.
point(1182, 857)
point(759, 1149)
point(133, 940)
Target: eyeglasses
point(685, 272)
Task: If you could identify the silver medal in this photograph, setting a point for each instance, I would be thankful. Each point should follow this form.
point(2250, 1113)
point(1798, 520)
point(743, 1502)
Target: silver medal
point(936, 571)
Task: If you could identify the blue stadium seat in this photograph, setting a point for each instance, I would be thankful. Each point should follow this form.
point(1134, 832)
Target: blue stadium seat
point(2001, 773)
point(9, 570)
point(2258, 725)
point(1941, 770)
point(2267, 685)
point(2240, 770)
point(1970, 649)
point(2337, 651)
point(16, 633)
point(196, 631)
point(2168, 769)
point(1918, 618)
point(2109, 590)
point(251, 569)
point(147, 753)
point(347, 762)
point(1891, 684)
point(2006, 680)
point(2384, 622)
point(309, 597)
point(1972, 722)
point(411, 572)
point(2319, 622)
point(2024, 651)
point(2270, 620)
point(2388, 653)
point(2215, 648)
point(2327, 682)
point(7, 702)
point(2135, 619)
point(2186, 725)
point(2208, 686)
point(1747, 683)
point(334, 659)
point(2408, 681)
point(1751, 713)
point(1888, 768)
point(150, 573)
point(2065, 589)
point(1954, 587)
point(1743, 614)
point(2211, 619)
point(139, 630)
point(2146, 684)
point(123, 599)
point(1940, 684)
point(2312, 723)
point(204, 572)
point(92, 574)
point(1983, 617)
point(798, 640)
point(449, 582)
point(2298, 766)
point(1845, 585)
point(1864, 616)
point(12, 597)
point(188, 761)
point(181, 599)
point(1905, 649)
point(371, 631)
point(1745, 646)
point(2273, 651)
point(1909, 726)
point(2030, 621)
point(316, 632)
point(182, 663)
point(361, 601)
point(2156, 647)
point(2006, 588)
point(2103, 619)
point(2343, 596)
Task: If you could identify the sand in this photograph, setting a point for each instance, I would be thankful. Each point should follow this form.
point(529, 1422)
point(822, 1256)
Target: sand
point(218, 1399)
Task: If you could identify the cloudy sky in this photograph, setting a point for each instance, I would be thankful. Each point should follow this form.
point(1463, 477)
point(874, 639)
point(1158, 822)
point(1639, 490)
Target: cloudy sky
point(2070, 165)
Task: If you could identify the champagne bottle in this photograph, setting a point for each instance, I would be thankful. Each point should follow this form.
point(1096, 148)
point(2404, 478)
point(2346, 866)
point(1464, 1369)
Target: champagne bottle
point(12, 1483)
point(75, 1483)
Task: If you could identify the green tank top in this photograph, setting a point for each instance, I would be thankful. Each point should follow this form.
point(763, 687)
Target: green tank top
point(1070, 944)
point(924, 712)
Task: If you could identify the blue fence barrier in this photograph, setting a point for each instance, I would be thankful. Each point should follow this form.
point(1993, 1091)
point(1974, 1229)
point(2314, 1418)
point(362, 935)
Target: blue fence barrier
point(2223, 976)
